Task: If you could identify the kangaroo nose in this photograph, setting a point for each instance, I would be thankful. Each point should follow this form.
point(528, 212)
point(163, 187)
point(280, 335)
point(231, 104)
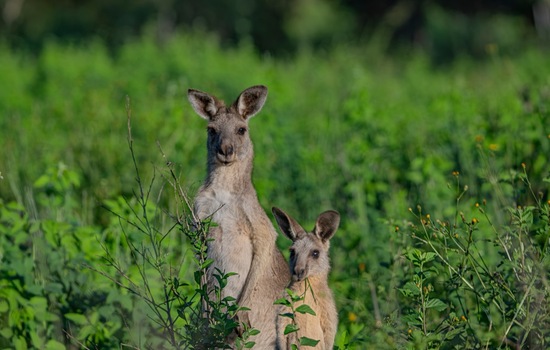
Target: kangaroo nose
point(226, 150)
point(299, 273)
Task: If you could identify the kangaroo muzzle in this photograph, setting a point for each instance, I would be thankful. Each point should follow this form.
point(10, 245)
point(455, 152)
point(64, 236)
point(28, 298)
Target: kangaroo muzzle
point(226, 153)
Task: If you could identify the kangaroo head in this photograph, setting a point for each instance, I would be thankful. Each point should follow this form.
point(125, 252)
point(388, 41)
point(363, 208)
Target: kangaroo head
point(309, 250)
point(228, 139)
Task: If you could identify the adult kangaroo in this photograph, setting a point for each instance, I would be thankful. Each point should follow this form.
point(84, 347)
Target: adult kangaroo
point(244, 239)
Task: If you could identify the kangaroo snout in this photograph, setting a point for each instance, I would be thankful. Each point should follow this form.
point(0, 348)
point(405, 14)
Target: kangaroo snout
point(226, 153)
point(298, 274)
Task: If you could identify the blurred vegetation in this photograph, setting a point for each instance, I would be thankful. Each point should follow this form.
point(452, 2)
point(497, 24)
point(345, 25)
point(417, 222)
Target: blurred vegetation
point(454, 124)
point(445, 29)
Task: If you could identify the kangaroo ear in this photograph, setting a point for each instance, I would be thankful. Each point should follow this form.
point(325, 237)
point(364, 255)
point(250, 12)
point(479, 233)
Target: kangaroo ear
point(288, 225)
point(327, 224)
point(251, 101)
point(205, 105)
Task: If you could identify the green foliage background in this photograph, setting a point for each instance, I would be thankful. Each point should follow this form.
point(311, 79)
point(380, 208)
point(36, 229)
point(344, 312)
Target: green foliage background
point(346, 128)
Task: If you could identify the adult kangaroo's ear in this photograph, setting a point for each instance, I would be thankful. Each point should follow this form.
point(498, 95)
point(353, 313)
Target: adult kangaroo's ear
point(205, 105)
point(251, 101)
point(288, 225)
point(327, 224)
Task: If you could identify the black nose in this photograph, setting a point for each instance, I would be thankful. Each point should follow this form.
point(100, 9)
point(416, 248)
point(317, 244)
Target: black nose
point(226, 150)
point(299, 273)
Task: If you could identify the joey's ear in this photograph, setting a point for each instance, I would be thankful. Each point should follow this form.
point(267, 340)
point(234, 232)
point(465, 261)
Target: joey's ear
point(288, 225)
point(251, 101)
point(205, 105)
point(327, 224)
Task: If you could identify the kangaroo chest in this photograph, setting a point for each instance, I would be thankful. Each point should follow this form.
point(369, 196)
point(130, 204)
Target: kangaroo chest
point(230, 245)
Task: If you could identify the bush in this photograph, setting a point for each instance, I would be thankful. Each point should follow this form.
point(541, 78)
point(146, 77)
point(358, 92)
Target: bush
point(368, 136)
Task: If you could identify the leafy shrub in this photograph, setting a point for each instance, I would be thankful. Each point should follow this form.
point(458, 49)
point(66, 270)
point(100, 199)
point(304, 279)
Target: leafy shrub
point(346, 129)
point(478, 284)
point(47, 296)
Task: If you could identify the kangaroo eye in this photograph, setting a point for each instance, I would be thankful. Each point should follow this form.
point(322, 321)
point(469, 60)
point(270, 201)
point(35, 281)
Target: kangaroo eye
point(315, 254)
point(241, 131)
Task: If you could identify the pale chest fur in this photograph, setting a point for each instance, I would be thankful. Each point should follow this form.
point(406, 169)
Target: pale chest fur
point(231, 247)
point(321, 326)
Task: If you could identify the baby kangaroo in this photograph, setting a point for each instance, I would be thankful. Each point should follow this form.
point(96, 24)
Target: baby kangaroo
point(309, 267)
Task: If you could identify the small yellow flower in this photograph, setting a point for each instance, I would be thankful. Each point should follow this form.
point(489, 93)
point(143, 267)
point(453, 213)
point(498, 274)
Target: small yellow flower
point(491, 48)
point(396, 228)
point(456, 173)
point(428, 216)
point(352, 317)
point(493, 147)
point(456, 235)
point(479, 138)
point(475, 221)
point(410, 331)
point(523, 165)
point(477, 205)
point(463, 318)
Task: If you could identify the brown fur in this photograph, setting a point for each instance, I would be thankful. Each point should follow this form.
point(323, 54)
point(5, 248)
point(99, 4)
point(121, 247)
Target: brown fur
point(244, 238)
point(309, 263)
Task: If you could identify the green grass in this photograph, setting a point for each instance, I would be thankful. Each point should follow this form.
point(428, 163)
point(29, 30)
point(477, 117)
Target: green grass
point(346, 129)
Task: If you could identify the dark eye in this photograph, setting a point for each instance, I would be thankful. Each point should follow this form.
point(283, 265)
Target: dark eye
point(241, 131)
point(315, 254)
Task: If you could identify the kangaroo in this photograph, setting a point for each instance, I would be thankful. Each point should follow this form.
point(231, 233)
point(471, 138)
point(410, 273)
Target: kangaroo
point(244, 239)
point(309, 266)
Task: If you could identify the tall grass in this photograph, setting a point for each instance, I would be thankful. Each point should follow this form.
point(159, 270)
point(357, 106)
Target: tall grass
point(345, 129)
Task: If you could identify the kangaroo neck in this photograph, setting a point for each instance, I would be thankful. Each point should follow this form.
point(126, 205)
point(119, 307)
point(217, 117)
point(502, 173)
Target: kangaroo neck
point(235, 178)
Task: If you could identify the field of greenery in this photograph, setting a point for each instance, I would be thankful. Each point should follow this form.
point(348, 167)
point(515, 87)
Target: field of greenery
point(441, 175)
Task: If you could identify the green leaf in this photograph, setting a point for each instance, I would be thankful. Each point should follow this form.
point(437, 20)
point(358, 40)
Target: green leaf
point(413, 255)
point(42, 181)
point(198, 275)
point(305, 341)
point(206, 263)
point(253, 331)
point(54, 345)
point(288, 314)
point(37, 341)
point(229, 298)
point(6, 333)
point(293, 347)
point(429, 256)
point(282, 301)
point(249, 344)
point(78, 319)
point(290, 328)
point(409, 289)
point(4, 306)
point(436, 304)
point(305, 309)
point(19, 343)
